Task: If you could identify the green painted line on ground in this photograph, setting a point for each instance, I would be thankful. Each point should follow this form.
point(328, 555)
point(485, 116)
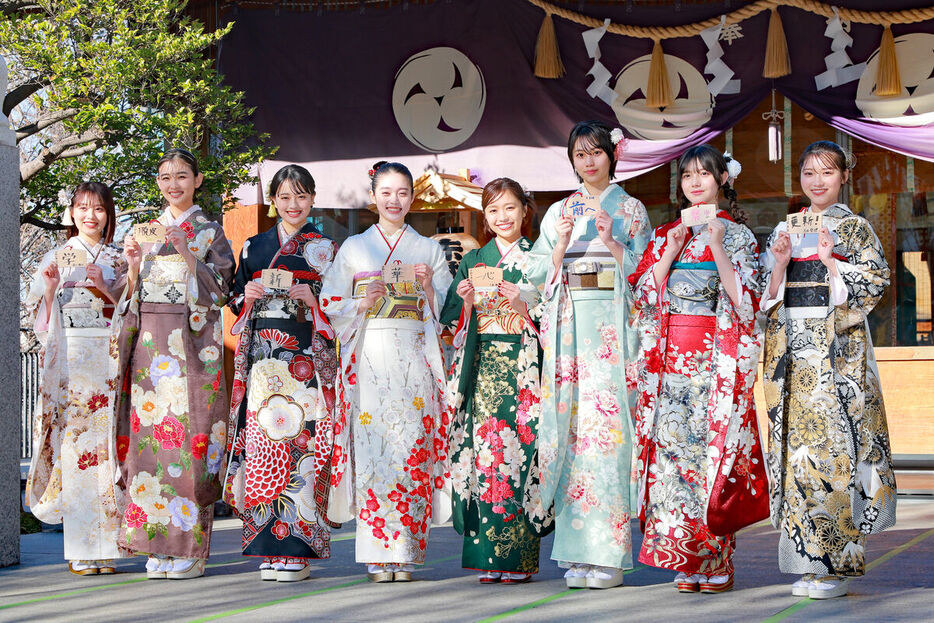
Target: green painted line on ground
point(228, 613)
point(807, 601)
point(78, 591)
point(545, 600)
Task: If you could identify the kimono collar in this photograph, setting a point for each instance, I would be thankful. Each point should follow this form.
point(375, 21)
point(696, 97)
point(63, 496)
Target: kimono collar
point(603, 195)
point(167, 219)
point(836, 210)
point(389, 238)
point(75, 242)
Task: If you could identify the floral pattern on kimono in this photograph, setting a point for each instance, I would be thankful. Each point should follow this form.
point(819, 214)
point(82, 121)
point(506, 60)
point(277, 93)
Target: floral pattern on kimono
point(495, 392)
point(585, 434)
point(698, 440)
point(283, 392)
point(830, 463)
point(388, 466)
point(71, 474)
point(172, 427)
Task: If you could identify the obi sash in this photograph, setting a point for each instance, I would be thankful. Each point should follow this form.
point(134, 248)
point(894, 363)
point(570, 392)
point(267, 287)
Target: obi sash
point(404, 299)
point(84, 307)
point(164, 279)
point(806, 284)
point(693, 288)
point(495, 316)
point(586, 273)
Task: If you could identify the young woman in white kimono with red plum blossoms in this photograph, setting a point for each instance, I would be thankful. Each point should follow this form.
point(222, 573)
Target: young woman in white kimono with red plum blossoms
point(391, 418)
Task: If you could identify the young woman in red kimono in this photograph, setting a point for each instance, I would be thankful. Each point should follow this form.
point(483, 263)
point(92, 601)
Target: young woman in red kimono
point(700, 465)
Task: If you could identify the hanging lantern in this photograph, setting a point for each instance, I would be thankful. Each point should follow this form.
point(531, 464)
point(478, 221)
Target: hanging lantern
point(774, 118)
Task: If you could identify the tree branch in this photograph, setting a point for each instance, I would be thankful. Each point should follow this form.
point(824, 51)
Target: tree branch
point(44, 122)
point(65, 148)
point(32, 220)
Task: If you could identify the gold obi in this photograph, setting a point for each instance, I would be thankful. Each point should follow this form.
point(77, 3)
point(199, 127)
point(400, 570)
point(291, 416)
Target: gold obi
point(405, 299)
point(164, 279)
point(84, 308)
point(495, 314)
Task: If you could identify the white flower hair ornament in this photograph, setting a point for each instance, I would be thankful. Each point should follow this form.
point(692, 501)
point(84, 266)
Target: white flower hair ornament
point(64, 200)
point(620, 141)
point(733, 167)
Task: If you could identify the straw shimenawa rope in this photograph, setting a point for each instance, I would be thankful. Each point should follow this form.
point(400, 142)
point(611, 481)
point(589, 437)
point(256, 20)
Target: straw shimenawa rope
point(776, 63)
point(879, 18)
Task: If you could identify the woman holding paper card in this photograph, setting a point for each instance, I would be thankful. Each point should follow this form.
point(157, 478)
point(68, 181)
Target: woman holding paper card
point(496, 396)
point(699, 460)
point(383, 295)
point(283, 389)
point(172, 413)
point(830, 465)
point(73, 462)
point(586, 437)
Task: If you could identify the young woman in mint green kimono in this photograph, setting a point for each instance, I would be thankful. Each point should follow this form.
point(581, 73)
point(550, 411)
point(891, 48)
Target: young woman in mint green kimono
point(494, 388)
point(585, 434)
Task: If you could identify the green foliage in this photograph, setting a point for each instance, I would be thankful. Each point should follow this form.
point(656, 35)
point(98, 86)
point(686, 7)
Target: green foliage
point(100, 89)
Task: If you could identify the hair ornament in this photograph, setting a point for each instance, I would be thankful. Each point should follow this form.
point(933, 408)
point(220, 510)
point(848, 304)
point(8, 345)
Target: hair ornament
point(733, 167)
point(272, 212)
point(619, 139)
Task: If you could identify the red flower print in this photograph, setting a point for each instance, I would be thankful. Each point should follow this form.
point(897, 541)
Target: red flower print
point(526, 435)
point(379, 534)
point(402, 507)
point(188, 228)
point(123, 446)
point(406, 520)
point(216, 383)
point(134, 421)
point(279, 339)
point(170, 433)
point(352, 379)
point(86, 460)
point(97, 401)
point(135, 516)
point(395, 496)
point(422, 544)
point(378, 522)
point(199, 446)
point(302, 440)
point(239, 390)
point(280, 529)
point(439, 482)
point(428, 423)
point(289, 248)
point(301, 368)
point(364, 514)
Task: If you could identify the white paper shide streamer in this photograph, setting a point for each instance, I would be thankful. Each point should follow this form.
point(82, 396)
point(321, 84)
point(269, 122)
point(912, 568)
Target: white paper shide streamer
point(600, 87)
point(722, 81)
point(840, 69)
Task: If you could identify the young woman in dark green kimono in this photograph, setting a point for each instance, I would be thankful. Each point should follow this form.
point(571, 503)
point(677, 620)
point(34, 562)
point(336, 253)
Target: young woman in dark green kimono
point(496, 396)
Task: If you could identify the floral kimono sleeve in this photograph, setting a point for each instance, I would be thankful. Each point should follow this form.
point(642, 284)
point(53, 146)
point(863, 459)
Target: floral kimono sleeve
point(865, 271)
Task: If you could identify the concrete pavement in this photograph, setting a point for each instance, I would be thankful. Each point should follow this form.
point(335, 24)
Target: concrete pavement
point(897, 587)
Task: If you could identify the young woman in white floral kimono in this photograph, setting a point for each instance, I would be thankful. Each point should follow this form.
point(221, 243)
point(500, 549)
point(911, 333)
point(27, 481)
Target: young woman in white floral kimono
point(589, 243)
point(71, 478)
point(830, 463)
point(173, 409)
point(391, 417)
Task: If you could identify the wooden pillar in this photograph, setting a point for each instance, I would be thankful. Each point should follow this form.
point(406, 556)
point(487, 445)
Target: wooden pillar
point(240, 223)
